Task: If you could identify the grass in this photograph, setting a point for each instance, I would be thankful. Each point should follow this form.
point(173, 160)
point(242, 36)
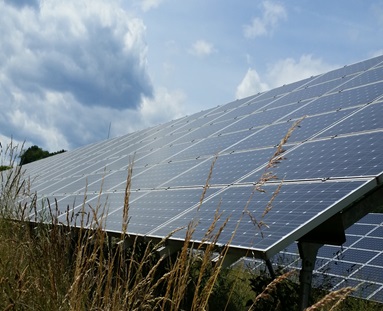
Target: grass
point(47, 265)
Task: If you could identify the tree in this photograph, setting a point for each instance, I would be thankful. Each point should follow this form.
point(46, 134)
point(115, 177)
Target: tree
point(4, 167)
point(35, 153)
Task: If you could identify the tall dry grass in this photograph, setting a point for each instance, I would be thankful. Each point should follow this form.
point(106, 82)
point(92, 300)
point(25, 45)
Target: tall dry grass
point(49, 265)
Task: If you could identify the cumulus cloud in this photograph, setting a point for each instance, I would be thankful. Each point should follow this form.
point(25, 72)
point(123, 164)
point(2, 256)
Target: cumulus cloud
point(147, 5)
point(272, 13)
point(165, 105)
point(289, 70)
point(251, 84)
point(202, 48)
point(284, 71)
point(67, 68)
point(93, 50)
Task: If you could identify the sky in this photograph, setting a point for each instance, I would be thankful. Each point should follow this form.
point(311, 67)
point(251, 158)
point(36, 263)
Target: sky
point(75, 72)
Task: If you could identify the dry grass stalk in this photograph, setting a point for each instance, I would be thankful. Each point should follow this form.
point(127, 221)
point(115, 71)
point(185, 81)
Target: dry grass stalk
point(267, 176)
point(335, 296)
point(125, 214)
point(207, 183)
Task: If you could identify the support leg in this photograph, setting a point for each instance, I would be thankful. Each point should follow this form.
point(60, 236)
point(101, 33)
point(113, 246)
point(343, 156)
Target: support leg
point(308, 252)
point(270, 268)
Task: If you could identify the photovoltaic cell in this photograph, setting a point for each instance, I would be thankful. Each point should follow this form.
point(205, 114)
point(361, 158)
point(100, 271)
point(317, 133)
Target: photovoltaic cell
point(369, 76)
point(339, 100)
point(294, 206)
point(338, 157)
point(348, 70)
point(284, 89)
point(367, 118)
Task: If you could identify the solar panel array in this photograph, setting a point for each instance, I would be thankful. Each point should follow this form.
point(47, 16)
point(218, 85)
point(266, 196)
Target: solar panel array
point(332, 158)
point(358, 263)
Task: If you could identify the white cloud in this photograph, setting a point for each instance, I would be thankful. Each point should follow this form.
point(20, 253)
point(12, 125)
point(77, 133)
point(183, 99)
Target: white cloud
point(94, 50)
point(281, 72)
point(272, 13)
point(202, 48)
point(69, 68)
point(166, 105)
point(289, 70)
point(251, 84)
point(147, 5)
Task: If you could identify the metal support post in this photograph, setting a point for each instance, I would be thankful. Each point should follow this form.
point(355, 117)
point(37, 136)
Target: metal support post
point(308, 253)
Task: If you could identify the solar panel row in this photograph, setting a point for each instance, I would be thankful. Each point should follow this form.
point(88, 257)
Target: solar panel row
point(331, 159)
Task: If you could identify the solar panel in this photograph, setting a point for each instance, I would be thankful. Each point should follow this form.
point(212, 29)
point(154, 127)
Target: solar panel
point(357, 263)
point(332, 160)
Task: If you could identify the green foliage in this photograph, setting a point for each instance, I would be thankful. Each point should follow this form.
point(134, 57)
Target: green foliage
point(285, 296)
point(35, 153)
point(4, 167)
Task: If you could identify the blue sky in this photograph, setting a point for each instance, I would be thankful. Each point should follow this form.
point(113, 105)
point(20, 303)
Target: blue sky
point(69, 69)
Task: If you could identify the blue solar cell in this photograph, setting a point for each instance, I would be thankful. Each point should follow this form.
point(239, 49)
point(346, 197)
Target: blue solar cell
point(324, 281)
point(160, 141)
point(236, 103)
point(240, 124)
point(370, 243)
point(358, 256)
point(295, 205)
point(348, 70)
point(370, 273)
point(284, 89)
point(372, 218)
point(206, 119)
point(168, 204)
point(369, 76)
point(377, 261)
point(211, 145)
point(360, 229)
point(272, 135)
point(162, 154)
point(339, 157)
point(308, 92)
point(340, 268)
point(350, 239)
point(60, 204)
point(264, 137)
point(367, 118)
point(378, 232)
point(339, 100)
point(257, 120)
point(115, 163)
point(241, 111)
point(363, 289)
point(331, 252)
point(187, 175)
point(156, 175)
point(284, 259)
point(116, 180)
point(205, 131)
point(227, 168)
point(377, 295)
